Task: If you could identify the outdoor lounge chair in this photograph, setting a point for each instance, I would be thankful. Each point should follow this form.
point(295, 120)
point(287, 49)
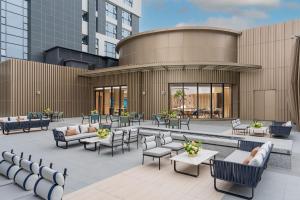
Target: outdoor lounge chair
point(233, 170)
point(135, 118)
point(150, 149)
point(9, 165)
point(28, 174)
point(84, 117)
point(51, 184)
point(280, 129)
point(114, 119)
point(185, 122)
point(115, 139)
point(160, 121)
point(237, 126)
point(167, 142)
point(131, 137)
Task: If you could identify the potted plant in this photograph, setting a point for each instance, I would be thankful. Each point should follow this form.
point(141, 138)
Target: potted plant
point(94, 112)
point(173, 121)
point(47, 111)
point(192, 148)
point(164, 114)
point(257, 124)
point(124, 113)
point(102, 133)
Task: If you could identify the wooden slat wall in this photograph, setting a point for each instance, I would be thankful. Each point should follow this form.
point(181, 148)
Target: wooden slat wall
point(269, 46)
point(155, 85)
point(5, 98)
point(60, 88)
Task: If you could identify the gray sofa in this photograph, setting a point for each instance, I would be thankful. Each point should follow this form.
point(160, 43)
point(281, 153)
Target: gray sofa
point(60, 134)
point(233, 169)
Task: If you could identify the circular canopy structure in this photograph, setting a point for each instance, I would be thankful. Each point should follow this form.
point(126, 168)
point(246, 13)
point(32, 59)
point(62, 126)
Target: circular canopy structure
point(179, 45)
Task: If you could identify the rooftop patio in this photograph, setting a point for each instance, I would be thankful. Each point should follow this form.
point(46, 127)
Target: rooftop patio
point(93, 176)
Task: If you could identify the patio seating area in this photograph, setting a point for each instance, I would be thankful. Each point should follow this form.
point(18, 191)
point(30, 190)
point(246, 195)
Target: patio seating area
point(126, 168)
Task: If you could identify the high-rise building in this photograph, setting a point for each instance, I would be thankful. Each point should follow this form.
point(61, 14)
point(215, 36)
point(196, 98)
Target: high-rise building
point(39, 29)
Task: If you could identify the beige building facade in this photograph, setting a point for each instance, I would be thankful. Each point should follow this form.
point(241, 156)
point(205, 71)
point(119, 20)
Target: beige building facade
point(200, 72)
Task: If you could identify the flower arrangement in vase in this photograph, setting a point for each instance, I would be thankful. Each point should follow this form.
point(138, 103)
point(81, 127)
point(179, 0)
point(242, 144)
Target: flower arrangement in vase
point(192, 148)
point(257, 124)
point(102, 133)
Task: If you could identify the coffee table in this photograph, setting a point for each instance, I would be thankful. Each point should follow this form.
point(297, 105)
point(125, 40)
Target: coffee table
point(196, 161)
point(262, 131)
point(92, 140)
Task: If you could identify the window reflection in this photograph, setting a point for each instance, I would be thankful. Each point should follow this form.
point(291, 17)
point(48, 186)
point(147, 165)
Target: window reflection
point(217, 101)
point(190, 100)
point(203, 101)
point(111, 100)
point(204, 92)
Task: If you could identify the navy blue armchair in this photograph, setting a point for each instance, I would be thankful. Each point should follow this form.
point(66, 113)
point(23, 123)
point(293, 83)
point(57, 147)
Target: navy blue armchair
point(278, 130)
point(238, 173)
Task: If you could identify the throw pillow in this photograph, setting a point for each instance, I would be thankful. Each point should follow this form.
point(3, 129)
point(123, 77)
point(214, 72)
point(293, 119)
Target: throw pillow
point(71, 132)
point(76, 128)
point(247, 160)
point(263, 152)
point(289, 123)
point(92, 130)
point(257, 160)
point(254, 151)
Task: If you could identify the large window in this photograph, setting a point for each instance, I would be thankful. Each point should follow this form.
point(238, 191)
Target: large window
point(126, 18)
point(128, 2)
point(125, 33)
point(14, 29)
point(111, 10)
point(111, 100)
point(111, 30)
point(202, 101)
point(110, 49)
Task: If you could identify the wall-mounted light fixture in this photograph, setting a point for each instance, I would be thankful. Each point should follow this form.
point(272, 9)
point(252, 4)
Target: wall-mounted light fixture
point(143, 93)
point(38, 92)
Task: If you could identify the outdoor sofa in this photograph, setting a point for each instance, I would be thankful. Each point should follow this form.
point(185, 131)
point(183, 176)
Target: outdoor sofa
point(24, 123)
point(237, 126)
point(240, 168)
point(82, 132)
point(280, 129)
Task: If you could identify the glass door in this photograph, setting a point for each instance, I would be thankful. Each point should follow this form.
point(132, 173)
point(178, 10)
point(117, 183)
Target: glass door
point(99, 101)
point(204, 101)
point(190, 100)
point(116, 100)
point(107, 101)
point(124, 100)
point(217, 101)
point(176, 98)
point(227, 101)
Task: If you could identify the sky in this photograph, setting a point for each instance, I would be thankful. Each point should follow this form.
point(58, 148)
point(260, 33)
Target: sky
point(233, 14)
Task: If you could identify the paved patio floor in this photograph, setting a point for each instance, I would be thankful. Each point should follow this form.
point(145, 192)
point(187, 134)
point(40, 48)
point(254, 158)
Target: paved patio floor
point(86, 168)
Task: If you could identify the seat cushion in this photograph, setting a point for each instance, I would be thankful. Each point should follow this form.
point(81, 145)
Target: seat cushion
point(237, 156)
point(175, 146)
point(84, 128)
point(242, 126)
point(106, 142)
point(157, 152)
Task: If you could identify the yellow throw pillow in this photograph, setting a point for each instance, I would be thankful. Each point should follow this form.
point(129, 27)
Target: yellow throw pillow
point(71, 132)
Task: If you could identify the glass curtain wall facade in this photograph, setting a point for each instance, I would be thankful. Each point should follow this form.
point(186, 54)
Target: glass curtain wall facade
point(111, 100)
point(203, 101)
point(14, 29)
